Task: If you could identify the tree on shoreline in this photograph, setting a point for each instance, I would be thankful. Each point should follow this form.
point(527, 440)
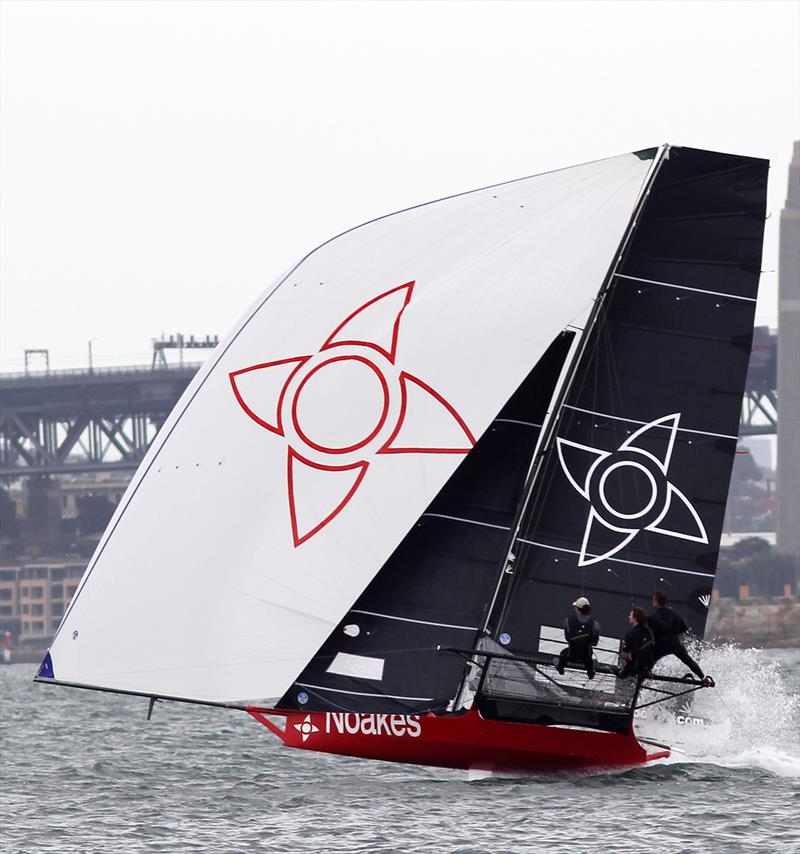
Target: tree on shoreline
point(754, 562)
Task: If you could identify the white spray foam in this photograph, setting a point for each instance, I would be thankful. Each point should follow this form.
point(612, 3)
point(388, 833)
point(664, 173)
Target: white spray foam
point(749, 720)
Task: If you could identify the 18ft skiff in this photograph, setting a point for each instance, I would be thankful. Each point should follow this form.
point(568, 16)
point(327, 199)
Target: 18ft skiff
point(379, 497)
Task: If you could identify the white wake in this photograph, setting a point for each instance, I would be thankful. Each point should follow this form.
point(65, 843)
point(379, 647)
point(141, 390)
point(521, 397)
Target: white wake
point(750, 719)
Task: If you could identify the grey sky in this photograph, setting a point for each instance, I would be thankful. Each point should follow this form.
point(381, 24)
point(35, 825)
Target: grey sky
point(163, 162)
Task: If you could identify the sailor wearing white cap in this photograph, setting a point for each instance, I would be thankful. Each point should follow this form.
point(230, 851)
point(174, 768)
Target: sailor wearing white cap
point(582, 632)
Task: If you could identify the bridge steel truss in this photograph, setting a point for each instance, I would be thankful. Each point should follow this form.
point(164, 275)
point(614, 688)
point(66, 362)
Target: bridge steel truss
point(760, 403)
point(66, 422)
point(759, 412)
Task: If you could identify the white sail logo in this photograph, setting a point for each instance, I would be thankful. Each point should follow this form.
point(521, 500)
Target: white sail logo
point(342, 406)
point(629, 491)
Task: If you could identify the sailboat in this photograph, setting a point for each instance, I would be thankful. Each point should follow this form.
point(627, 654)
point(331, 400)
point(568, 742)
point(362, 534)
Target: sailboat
point(367, 517)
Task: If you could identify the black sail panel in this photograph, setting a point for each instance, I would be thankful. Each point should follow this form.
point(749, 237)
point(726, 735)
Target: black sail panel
point(631, 496)
point(433, 591)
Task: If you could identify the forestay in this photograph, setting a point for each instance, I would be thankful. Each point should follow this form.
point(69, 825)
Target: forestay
point(325, 424)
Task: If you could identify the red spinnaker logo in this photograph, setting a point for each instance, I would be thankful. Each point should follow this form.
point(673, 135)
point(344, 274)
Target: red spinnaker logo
point(339, 408)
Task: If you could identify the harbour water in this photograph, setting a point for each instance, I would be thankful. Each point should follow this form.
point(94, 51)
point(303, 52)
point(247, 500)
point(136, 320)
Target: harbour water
point(85, 772)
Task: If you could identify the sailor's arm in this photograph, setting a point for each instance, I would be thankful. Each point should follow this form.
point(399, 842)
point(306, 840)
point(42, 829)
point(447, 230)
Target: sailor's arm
point(626, 647)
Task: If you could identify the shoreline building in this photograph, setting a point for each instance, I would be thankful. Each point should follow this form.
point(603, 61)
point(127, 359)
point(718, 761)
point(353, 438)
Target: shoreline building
point(788, 474)
point(34, 593)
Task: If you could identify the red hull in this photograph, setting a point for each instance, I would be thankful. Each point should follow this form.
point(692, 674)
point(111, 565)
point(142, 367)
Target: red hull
point(466, 741)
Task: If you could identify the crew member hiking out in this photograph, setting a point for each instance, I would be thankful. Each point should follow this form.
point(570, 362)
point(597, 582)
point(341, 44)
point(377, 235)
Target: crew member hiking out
point(582, 632)
point(667, 628)
point(637, 648)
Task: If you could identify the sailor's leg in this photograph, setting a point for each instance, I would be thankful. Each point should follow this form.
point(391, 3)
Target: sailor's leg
point(562, 660)
point(590, 666)
point(681, 653)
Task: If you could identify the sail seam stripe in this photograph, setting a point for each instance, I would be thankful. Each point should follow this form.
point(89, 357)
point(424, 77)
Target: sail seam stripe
point(467, 521)
point(409, 620)
point(514, 421)
point(636, 421)
point(363, 693)
point(684, 288)
point(618, 559)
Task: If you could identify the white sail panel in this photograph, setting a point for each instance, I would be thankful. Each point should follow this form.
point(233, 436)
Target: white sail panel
point(322, 427)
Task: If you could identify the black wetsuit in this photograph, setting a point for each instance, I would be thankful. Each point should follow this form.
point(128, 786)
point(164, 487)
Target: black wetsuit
point(581, 633)
point(639, 645)
point(667, 627)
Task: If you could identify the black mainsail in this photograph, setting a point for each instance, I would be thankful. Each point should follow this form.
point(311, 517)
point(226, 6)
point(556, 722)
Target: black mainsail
point(630, 497)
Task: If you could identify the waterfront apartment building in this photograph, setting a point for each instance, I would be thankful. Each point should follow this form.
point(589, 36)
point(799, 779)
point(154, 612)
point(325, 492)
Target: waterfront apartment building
point(34, 595)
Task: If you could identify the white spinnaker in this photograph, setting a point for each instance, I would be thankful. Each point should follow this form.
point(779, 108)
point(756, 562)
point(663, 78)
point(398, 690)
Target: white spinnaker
point(198, 588)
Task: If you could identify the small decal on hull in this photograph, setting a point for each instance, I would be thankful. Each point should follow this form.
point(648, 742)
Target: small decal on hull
point(306, 728)
point(686, 718)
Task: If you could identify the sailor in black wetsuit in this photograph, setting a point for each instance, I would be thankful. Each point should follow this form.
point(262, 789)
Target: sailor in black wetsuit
point(582, 632)
point(667, 628)
point(637, 648)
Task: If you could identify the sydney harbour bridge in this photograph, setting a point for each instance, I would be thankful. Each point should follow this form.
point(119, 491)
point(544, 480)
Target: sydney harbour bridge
point(95, 420)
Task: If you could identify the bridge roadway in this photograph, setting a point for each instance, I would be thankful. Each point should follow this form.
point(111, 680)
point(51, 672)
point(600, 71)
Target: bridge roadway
point(68, 422)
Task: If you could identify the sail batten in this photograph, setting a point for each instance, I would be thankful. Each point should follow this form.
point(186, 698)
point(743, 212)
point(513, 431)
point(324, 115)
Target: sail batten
point(685, 288)
point(657, 566)
point(639, 421)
